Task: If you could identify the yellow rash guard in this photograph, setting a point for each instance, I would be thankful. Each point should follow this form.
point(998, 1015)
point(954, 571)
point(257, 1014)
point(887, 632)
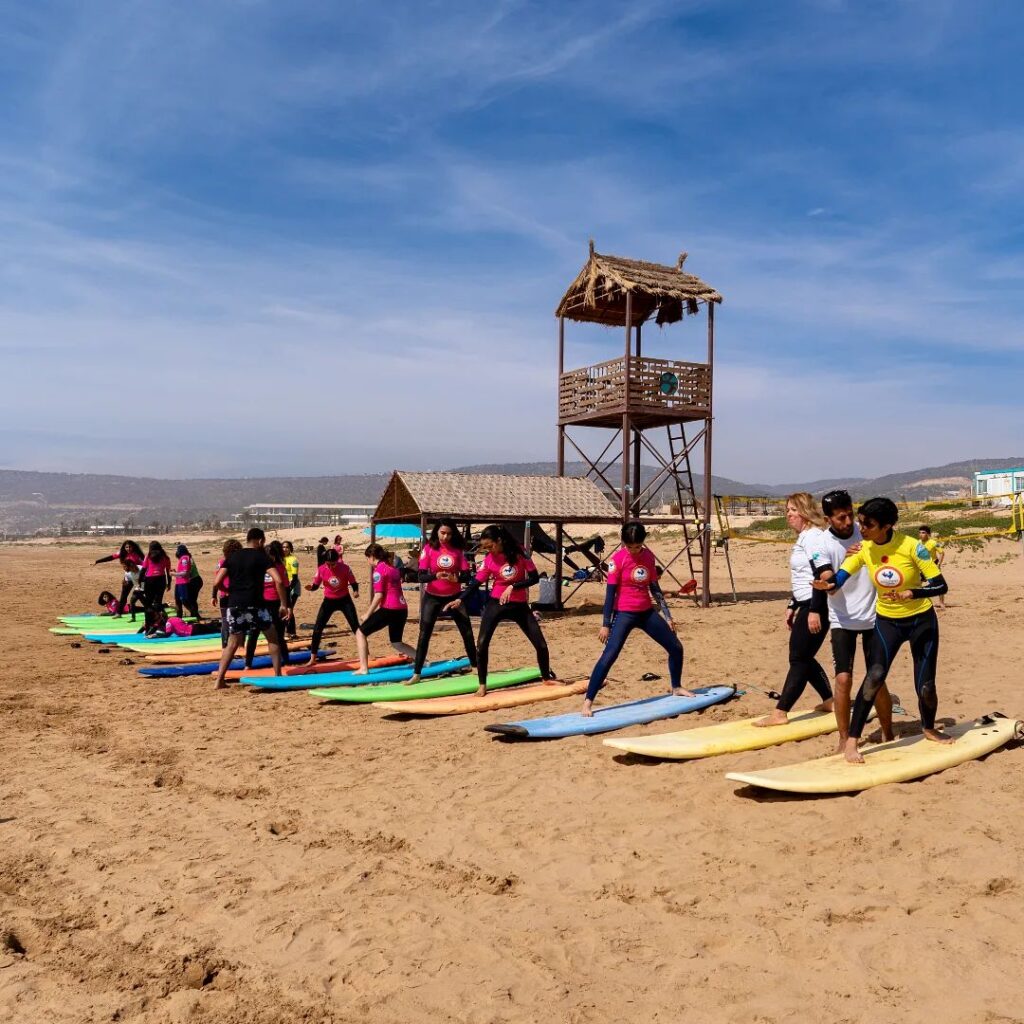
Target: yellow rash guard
point(902, 564)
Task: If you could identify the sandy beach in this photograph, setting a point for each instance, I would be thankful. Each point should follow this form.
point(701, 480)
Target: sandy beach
point(172, 854)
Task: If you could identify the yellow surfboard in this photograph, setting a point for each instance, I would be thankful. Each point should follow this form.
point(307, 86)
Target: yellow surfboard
point(910, 757)
point(727, 737)
point(495, 700)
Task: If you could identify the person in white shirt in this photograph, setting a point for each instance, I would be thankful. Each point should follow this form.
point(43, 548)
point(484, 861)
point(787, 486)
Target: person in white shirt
point(806, 614)
point(851, 611)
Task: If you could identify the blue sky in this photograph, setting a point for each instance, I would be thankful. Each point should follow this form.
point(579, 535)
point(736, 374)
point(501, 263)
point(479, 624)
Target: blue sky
point(252, 238)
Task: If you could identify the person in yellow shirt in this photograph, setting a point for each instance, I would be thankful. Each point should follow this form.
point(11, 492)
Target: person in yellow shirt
point(935, 549)
point(905, 579)
point(291, 565)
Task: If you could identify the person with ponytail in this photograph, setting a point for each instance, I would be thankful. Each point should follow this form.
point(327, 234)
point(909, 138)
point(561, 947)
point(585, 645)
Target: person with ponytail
point(807, 611)
point(337, 579)
point(387, 608)
point(130, 555)
point(442, 569)
point(271, 601)
point(155, 575)
point(513, 573)
point(629, 604)
point(185, 598)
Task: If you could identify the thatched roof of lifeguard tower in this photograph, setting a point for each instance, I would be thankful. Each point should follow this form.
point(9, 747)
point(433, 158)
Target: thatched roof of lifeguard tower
point(472, 497)
point(598, 295)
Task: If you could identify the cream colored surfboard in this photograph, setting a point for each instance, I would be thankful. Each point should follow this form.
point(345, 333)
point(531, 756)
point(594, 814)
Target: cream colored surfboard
point(514, 697)
point(910, 757)
point(727, 737)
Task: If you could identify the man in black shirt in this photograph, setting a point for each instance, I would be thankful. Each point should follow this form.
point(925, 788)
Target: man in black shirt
point(249, 570)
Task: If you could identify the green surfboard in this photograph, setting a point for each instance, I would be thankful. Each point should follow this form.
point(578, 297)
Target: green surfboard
point(449, 687)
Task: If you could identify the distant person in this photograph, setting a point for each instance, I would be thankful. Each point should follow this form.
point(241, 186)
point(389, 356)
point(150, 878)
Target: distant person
point(155, 573)
point(443, 570)
point(513, 574)
point(129, 551)
point(221, 588)
point(851, 612)
point(291, 564)
point(271, 601)
point(936, 549)
point(629, 604)
point(321, 551)
point(387, 610)
point(905, 579)
point(337, 579)
point(246, 609)
point(184, 599)
point(807, 613)
point(338, 545)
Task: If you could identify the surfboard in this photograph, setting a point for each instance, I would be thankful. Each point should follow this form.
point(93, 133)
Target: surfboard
point(450, 687)
point(324, 666)
point(379, 675)
point(466, 703)
point(208, 653)
point(909, 757)
point(727, 737)
point(616, 716)
point(208, 667)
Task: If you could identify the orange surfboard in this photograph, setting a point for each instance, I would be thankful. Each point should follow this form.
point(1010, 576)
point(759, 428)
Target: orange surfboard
point(513, 697)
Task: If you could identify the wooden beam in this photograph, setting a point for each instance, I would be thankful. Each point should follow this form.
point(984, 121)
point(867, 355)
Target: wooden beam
point(705, 596)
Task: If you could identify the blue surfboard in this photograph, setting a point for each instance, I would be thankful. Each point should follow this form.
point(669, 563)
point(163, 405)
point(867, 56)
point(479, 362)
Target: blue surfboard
point(204, 668)
point(317, 680)
point(616, 716)
point(123, 639)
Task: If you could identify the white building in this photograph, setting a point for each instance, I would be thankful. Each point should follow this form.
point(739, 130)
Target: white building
point(992, 483)
point(304, 515)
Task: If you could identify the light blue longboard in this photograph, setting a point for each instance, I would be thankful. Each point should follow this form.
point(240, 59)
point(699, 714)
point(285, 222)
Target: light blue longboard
point(205, 668)
point(394, 674)
point(617, 716)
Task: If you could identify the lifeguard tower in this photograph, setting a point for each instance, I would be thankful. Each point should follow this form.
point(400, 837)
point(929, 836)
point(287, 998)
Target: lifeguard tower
point(636, 395)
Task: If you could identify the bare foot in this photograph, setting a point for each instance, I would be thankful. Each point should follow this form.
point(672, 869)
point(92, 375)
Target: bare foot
point(888, 737)
point(842, 743)
point(678, 691)
point(221, 685)
point(775, 718)
point(551, 681)
point(360, 671)
point(825, 705)
point(413, 679)
point(588, 709)
point(851, 753)
point(481, 691)
point(937, 737)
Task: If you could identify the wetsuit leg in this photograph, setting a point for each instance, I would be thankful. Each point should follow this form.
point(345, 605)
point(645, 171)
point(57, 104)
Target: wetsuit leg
point(661, 633)
point(803, 668)
point(347, 607)
point(924, 647)
point(153, 595)
point(492, 614)
point(430, 609)
point(126, 592)
point(465, 627)
point(888, 638)
point(622, 625)
point(327, 608)
point(527, 622)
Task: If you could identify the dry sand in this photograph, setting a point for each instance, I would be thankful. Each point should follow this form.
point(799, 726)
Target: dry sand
point(168, 853)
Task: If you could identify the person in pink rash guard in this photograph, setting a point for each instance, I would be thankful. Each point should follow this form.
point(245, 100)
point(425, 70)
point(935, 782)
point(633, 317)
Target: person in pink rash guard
point(443, 569)
point(629, 604)
point(129, 552)
point(155, 574)
point(336, 578)
point(512, 573)
point(387, 609)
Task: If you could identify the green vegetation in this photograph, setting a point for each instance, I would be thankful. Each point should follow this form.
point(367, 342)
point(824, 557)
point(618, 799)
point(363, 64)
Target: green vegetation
point(946, 528)
point(776, 524)
point(944, 506)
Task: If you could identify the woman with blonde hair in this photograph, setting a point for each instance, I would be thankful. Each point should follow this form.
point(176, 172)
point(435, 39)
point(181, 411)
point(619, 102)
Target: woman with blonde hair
point(807, 613)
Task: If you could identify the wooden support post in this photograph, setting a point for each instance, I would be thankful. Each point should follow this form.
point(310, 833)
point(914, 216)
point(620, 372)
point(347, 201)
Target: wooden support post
point(705, 596)
point(635, 496)
point(559, 531)
point(627, 367)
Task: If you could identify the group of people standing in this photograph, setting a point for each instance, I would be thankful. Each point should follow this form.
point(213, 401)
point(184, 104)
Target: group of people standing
point(853, 576)
point(860, 579)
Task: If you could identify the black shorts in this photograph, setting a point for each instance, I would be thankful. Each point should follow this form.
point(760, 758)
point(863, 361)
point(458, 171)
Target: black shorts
point(244, 620)
point(393, 618)
point(844, 647)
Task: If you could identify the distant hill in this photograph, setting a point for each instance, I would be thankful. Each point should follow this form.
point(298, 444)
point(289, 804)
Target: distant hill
point(32, 501)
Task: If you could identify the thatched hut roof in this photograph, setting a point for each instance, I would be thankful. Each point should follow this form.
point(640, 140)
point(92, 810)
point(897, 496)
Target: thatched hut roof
point(492, 497)
point(598, 294)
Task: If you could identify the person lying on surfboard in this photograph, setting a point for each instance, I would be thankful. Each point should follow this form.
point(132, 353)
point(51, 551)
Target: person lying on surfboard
point(905, 580)
point(629, 604)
